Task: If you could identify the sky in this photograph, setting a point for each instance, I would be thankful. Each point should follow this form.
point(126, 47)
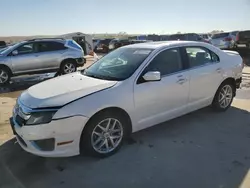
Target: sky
point(52, 17)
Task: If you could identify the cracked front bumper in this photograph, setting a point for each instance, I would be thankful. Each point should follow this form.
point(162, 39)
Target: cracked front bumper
point(59, 138)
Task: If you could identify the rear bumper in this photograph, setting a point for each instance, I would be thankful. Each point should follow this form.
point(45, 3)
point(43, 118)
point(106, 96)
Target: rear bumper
point(238, 82)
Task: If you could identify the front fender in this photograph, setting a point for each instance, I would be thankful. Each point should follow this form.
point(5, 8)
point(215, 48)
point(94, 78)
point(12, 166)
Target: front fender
point(117, 96)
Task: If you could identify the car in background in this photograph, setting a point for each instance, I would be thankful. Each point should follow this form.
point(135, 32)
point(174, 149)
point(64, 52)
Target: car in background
point(95, 42)
point(224, 40)
point(102, 45)
point(205, 36)
point(243, 39)
point(2, 44)
point(117, 43)
point(138, 41)
point(40, 56)
point(130, 89)
point(188, 37)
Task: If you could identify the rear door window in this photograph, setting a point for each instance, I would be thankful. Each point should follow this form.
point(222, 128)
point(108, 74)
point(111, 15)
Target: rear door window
point(199, 56)
point(50, 46)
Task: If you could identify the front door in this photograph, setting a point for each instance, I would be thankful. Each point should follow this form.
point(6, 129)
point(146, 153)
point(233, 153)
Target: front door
point(158, 101)
point(25, 60)
point(205, 76)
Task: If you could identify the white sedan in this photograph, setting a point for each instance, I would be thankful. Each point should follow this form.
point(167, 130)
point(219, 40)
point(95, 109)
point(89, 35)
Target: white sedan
point(130, 89)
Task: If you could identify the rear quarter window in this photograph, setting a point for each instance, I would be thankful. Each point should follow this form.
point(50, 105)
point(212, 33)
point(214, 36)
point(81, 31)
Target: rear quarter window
point(72, 44)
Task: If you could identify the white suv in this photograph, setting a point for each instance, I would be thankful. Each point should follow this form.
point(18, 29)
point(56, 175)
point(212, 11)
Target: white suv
point(129, 89)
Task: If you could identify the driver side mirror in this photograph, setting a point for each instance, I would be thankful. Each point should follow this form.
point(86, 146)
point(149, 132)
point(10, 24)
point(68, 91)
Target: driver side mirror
point(152, 76)
point(15, 52)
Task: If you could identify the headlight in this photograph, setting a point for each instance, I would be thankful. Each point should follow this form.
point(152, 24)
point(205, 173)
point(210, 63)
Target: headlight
point(40, 118)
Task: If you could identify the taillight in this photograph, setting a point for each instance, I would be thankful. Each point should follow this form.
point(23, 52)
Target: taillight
point(237, 37)
point(228, 39)
point(207, 41)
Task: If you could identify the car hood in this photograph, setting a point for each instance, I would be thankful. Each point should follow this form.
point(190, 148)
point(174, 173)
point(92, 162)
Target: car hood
point(62, 90)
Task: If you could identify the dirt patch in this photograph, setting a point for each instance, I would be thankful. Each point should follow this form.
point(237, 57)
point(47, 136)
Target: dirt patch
point(6, 106)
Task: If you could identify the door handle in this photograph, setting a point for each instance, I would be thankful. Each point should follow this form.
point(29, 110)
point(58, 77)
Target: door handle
point(181, 81)
point(218, 70)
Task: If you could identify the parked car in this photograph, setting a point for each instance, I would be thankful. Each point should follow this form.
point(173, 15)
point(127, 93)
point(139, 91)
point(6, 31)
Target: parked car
point(243, 39)
point(205, 36)
point(138, 41)
point(129, 89)
point(117, 43)
point(103, 46)
point(2, 44)
point(40, 56)
point(188, 37)
point(224, 40)
point(96, 42)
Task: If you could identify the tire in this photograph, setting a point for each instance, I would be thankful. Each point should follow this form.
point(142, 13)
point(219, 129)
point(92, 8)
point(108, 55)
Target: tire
point(94, 136)
point(106, 49)
point(224, 96)
point(5, 76)
point(68, 66)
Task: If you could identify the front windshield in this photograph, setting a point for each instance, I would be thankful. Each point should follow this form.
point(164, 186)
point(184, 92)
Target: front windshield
point(9, 47)
point(119, 64)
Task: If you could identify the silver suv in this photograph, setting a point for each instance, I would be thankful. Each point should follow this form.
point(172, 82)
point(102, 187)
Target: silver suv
point(40, 56)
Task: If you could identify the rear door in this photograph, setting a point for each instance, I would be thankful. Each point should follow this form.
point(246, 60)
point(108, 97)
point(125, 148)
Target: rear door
point(205, 76)
point(49, 54)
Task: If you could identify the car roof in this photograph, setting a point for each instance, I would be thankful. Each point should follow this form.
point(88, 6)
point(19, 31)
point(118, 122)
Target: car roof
point(156, 45)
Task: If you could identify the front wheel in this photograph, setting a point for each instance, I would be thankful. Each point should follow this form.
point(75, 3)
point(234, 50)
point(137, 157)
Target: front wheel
point(224, 97)
point(4, 76)
point(104, 134)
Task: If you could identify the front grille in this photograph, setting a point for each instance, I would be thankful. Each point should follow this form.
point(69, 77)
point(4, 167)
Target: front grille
point(21, 140)
point(46, 144)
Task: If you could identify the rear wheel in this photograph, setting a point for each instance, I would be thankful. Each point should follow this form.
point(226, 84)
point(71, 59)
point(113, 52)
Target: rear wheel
point(68, 66)
point(104, 134)
point(224, 97)
point(4, 76)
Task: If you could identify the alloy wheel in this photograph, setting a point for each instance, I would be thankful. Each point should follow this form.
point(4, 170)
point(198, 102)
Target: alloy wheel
point(225, 96)
point(107, 135)
point(69, 68)
point(3, 76)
